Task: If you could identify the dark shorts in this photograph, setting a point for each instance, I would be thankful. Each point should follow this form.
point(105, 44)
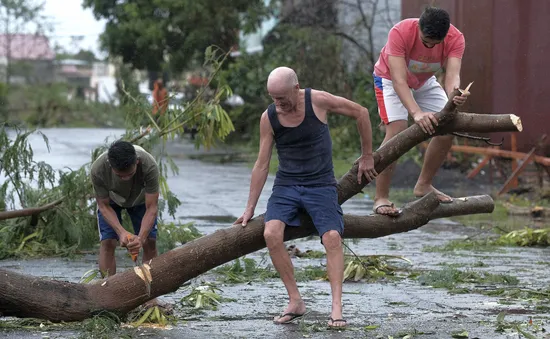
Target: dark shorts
point(136, 214)
point(320, 202)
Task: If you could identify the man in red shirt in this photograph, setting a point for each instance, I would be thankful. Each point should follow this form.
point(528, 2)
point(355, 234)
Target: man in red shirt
point(405, 84)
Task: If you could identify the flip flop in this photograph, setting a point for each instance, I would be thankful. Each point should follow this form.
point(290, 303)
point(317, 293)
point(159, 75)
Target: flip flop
point(293, 316)
point(337, 321)
point(392, 205)
point(438, 195)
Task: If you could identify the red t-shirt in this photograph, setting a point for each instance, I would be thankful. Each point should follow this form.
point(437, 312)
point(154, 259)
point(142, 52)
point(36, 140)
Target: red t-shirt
point(422, 62)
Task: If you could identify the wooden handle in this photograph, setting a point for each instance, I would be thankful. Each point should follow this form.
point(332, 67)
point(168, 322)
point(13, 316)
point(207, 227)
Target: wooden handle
point(134, 256)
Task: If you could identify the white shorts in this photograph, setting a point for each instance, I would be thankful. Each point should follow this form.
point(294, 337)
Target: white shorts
point(430, 97)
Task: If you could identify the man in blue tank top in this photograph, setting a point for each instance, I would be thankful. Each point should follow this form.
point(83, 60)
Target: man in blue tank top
point(297, 123)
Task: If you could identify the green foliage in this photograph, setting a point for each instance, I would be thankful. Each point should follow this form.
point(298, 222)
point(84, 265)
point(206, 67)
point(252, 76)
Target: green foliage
point(205, 296)
point(244, 270)
point(370, 268)
point(126, 84)
point(146, 33)
point(526, 237)
point(48, 106)
point(151, 315)
point(71, 225)
point(316, 56)
point(451, 278)
point(172, 235)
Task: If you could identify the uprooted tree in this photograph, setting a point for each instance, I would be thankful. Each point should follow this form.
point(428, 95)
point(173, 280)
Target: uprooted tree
point(28, 296)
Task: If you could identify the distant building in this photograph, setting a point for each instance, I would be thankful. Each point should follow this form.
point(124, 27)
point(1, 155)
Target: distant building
point(74, 72)
point(29, 56)
point(103, 81)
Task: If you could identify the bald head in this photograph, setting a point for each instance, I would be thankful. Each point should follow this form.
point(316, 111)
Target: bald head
point(282, 85)
point(281, 79)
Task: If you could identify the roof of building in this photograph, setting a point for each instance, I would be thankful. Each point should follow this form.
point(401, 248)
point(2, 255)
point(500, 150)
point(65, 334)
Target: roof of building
point(26, 47)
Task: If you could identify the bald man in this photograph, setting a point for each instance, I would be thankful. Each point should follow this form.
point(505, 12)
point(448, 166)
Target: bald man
point(297, 123)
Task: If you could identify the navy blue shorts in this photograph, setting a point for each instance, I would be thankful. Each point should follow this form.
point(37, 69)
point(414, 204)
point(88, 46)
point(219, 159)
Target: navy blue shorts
point(136, 215)
point(319, 202)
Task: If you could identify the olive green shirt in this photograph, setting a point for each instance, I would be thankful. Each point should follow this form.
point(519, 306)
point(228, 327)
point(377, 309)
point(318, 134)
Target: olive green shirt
point(126, 193)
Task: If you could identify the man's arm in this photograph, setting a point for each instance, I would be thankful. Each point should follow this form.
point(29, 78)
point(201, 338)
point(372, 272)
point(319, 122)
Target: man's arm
point(452, 80)
point(261, 167)
point(452, 75)
point(260, 170)
point(104, 206)
point(328, 102)
point(151, 205)
point(398, 72)
point(151, 202)
point(110, 216)
point(336, 104)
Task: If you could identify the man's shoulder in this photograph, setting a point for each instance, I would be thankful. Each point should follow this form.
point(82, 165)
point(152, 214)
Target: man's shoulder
point(145, 157)
point(406, 24)
point(454, 33)
point(99, 165)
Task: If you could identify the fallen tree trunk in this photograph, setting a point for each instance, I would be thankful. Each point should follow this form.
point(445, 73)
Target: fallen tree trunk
point(27, 212)
point(27, 296)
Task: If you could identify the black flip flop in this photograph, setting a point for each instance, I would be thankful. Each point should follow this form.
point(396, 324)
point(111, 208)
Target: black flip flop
point(392, 205)
point(293, 316)
point(337, 321)
point(440, 201)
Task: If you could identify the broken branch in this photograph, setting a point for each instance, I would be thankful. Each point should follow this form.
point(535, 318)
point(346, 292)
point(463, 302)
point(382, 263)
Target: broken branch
point(26, 212)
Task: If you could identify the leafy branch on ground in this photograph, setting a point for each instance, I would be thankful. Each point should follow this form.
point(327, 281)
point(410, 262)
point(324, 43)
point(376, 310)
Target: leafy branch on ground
point(71, 226)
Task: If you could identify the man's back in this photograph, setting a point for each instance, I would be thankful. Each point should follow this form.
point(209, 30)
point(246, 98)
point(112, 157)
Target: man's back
point(126, 193)
point(304, 151)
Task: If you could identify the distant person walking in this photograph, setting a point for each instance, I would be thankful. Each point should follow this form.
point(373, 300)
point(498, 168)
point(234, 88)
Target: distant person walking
point(160, 98)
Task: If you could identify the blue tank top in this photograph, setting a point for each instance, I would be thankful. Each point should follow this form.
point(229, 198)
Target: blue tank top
point(304, 151)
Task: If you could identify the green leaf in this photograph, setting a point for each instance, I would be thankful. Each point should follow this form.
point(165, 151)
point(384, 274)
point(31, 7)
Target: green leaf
point(463, 334)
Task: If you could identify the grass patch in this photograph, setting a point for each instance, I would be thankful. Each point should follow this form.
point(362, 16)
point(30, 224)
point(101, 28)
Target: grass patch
point(453, 279)
point(485, 245)
point(310, 273)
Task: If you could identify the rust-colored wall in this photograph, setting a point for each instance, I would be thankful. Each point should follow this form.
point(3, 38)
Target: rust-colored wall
point(507, 52)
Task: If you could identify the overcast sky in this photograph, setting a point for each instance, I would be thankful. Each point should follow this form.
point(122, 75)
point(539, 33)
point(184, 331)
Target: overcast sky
point(70, 19)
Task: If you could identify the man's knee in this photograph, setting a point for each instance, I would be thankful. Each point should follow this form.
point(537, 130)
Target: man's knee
point(396, 127)
point(448, 139)
point(332, 240)
point(108, 245)
point(274, 233)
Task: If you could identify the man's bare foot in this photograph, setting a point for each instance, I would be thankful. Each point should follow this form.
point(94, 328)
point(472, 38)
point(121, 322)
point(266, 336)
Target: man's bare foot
point(420, 191)
point(292, 311)
point(385, 207)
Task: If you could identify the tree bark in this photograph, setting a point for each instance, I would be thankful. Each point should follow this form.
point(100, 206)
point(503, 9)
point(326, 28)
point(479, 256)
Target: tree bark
point(26, 296)
point(27, 212)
